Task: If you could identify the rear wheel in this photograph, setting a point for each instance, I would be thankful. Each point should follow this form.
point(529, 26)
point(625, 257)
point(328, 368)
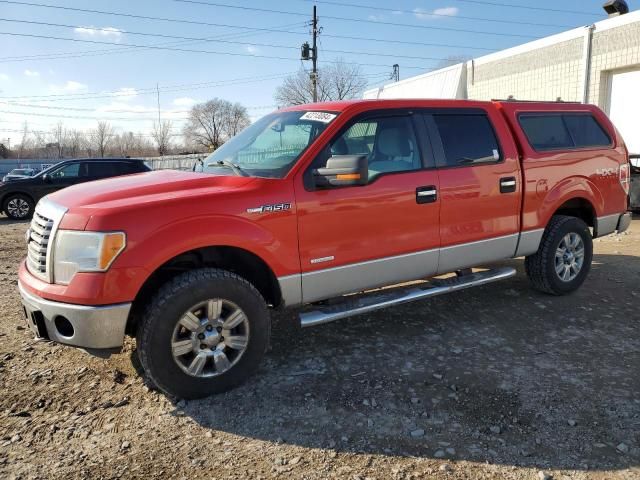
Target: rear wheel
point(563, 259)
point(18, 207)
point(203, 333)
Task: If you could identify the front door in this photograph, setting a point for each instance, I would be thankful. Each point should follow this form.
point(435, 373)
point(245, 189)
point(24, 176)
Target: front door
point(359, 237)
point(480, 187)
point(64, 176)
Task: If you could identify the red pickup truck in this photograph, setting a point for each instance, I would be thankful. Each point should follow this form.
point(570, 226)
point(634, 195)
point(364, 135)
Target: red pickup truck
point(313, 203)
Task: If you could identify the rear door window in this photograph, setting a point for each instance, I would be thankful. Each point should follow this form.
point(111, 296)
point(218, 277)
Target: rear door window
point(102, 169)
point(467, 139)
point(564, 131)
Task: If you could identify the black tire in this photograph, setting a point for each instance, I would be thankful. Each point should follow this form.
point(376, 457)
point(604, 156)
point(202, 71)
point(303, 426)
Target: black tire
point(12, 204)
point(541, 267)
point(156, 329)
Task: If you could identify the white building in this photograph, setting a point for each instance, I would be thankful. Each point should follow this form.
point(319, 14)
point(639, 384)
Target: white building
point(597, 64)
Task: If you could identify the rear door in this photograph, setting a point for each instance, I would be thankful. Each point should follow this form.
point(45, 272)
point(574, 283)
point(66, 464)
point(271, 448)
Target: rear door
point(480, 186)
point(359, 237)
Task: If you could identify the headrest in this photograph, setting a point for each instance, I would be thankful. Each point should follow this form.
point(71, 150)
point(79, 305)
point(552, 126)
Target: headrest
point(393, 142)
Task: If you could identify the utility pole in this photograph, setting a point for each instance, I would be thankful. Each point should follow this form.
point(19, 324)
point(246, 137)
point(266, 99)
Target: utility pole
point(311, 53)
point(158, 91)
point(396, 73)
point(314, 72)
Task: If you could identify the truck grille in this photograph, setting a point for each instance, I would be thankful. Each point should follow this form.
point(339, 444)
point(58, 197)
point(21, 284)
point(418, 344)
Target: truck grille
point(44, 224)
point(40, 236)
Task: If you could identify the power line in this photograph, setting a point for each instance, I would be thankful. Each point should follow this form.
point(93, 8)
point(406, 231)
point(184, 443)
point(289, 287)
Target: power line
point(140, 17)
point(50, 37)
point(207, 40)
point(438, 14)
point(526, 7)
point(92, 53)
point(359, 20)
point(142, 91)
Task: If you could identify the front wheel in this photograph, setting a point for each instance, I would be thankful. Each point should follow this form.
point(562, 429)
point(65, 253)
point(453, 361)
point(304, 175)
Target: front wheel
point(204, 332)
point(18, 207)
point(563, 260)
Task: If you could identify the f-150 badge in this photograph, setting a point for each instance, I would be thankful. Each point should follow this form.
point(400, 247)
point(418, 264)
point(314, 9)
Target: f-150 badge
point(276, 207)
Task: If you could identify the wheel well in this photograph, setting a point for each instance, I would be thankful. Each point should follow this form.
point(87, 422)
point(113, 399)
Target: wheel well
point(241, 262)
point(579, 208)
point(4, 198)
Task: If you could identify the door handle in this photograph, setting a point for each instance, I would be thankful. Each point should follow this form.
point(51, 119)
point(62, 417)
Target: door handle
point(508, 185)
point(428, 194)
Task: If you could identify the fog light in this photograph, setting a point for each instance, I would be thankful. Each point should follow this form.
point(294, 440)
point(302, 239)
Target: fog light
point(64, 327)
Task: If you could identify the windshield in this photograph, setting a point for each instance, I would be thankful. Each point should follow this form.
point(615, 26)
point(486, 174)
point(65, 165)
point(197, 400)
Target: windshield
point(270, 146)
point(20, 171)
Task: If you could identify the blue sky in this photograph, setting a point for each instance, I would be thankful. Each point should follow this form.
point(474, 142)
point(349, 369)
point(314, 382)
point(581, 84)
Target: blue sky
point(47, 80)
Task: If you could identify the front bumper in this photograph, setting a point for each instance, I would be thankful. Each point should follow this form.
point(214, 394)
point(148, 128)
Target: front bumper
point(78, 325)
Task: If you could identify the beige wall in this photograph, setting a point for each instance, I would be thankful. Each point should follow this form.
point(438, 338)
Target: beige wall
point(557, 70)
point(542, 74)
point(613, 50)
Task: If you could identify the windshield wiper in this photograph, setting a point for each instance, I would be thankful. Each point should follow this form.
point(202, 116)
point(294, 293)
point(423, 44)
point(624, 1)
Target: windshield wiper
point(226, 163)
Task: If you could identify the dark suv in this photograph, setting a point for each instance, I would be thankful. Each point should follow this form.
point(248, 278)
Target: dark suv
point(19, 197)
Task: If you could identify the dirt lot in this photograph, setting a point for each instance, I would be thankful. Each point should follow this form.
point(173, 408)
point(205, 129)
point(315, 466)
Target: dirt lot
point(497, 382)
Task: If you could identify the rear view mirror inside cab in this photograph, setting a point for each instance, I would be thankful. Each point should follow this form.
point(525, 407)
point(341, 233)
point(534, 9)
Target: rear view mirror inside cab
point(343, 170)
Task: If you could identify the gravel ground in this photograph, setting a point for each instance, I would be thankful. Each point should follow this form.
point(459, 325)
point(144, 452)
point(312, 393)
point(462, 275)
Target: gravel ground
point(497, 382)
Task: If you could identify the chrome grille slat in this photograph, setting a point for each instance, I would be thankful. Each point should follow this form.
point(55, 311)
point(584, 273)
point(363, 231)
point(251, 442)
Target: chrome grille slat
point(45, 222)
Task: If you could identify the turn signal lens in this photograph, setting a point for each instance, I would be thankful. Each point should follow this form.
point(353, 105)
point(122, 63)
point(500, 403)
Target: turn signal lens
point(112, 245)
point(348, 176)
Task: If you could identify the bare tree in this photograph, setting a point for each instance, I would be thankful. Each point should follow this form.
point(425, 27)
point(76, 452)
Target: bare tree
point(24, 142)
point(161, 133)
point(338, 81)
point(58, 139)
point(101, 137)
point(210, 124)
point(76, 142)
point(235, 119)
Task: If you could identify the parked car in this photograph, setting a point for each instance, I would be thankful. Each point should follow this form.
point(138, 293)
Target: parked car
point(19, 197)
point(634, 195)
point(18, 173)
point(309, 204)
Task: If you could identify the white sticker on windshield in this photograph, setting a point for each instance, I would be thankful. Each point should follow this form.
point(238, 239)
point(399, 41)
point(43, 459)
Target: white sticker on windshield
point(323, 117)
point(496, 155)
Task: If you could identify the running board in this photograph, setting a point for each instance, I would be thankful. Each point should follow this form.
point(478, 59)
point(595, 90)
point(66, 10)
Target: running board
point(383, 299)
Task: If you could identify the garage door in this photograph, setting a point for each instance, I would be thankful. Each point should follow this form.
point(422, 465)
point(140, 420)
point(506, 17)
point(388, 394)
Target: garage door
point(625, 107)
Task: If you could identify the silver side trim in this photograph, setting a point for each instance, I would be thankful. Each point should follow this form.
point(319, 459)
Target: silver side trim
point(472, 254)
point(291, 289)
point(606, 225)
point(329, 283)
point(529, 242)
point(384, 299)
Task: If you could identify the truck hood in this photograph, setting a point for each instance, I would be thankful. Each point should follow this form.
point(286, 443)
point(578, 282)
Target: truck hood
point(157, 186)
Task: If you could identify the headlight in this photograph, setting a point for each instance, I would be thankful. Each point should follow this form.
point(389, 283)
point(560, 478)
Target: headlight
point(84, 252)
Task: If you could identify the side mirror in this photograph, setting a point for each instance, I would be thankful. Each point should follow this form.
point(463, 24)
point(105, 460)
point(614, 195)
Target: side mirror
point(342, 171)
point(46, 178)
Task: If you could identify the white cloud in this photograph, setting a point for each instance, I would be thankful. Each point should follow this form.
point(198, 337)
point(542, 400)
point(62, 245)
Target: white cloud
point(126, 93)
point(397, 12)
point(31, 73)
point(70, 87)
point(375, 18)
point(422, 14)
point(184, 102)
point(251, 49)
point(92, 31)
point(4, 77)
